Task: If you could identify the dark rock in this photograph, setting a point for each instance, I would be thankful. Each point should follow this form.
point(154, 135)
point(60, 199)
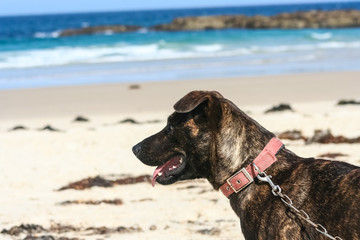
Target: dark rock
point(134, 86)
point(18, 127)
point(49, 128)
point(99, 30)
point(81, 119)
point(154, 121)
point(296, 20)
point(279, 108)
point(129, 120)
point(133, 121)
point(152, 228)
point(348, 102)
point(194, 23)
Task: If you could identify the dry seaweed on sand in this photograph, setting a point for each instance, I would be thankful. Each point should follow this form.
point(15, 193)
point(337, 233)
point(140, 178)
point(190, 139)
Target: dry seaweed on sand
point(121, 229)
point(102, 182)
point(292, 135)
point(93, 202)
point(211, 232)
point(23, 228)
point(332, 155)
point(319, 136)
point(32, 229)
point(325, 137)
point(49, 237)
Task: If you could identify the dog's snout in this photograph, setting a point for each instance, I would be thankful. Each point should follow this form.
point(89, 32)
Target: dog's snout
point(136, 149)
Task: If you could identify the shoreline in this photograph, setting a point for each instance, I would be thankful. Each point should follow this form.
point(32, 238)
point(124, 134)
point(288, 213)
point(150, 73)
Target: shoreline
point(144, 97)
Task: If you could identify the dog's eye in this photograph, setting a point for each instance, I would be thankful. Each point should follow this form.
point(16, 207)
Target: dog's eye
point(170, 128)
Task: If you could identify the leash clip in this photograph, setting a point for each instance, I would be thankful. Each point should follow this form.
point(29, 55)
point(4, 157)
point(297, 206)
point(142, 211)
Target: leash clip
point(263, 177)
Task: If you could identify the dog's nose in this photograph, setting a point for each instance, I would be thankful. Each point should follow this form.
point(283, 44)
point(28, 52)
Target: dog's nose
point(136, 149)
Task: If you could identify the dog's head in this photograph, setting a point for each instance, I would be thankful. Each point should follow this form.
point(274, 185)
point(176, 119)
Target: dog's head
point(199, 140)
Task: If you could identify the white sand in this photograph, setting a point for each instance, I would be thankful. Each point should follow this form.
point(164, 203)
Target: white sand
point(36, 163)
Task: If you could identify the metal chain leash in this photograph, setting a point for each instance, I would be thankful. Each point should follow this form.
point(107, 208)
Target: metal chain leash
point(276, 191)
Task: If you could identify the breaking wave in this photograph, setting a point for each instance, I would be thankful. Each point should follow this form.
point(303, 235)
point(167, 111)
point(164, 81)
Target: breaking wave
point(321, 36)
point(54, 34)
point(150, 52)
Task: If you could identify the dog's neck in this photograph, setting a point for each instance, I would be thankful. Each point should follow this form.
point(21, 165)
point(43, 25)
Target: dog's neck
point(239, 147)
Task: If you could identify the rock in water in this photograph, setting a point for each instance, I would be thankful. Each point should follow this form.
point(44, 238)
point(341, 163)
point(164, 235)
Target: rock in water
point(296, 20)
point(99, 30)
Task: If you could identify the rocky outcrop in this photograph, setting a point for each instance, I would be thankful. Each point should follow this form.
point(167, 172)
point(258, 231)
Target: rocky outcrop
point(99, 30)
point(297, 20)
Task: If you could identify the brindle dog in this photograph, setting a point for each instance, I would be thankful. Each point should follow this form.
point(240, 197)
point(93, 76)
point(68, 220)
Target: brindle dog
point(209, 137)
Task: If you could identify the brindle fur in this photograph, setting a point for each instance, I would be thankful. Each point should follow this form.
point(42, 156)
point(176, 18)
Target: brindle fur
point(218, 139)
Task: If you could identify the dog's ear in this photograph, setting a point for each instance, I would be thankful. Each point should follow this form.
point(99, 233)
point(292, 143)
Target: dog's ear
point(193, 99)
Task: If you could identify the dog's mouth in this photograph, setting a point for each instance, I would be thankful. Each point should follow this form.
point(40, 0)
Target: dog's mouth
point(170, 171)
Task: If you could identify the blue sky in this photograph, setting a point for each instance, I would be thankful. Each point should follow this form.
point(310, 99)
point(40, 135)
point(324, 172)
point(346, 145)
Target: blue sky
point(21, 7)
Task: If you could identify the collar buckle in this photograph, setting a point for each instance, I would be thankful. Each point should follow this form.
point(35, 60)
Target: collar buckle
point(245, 176)
point(238, 182)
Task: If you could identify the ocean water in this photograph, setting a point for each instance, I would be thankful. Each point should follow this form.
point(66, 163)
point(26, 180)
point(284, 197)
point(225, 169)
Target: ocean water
point(32, 54)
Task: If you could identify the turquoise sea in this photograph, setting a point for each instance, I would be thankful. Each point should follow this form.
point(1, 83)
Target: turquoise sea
point(32, 54)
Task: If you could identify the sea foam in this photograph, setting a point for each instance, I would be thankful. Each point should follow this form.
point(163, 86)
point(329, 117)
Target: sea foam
point(54, 34)
point(321, 36)
point(161, 50)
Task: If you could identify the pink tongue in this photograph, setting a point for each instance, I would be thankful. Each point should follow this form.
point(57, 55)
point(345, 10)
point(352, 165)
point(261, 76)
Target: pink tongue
point(155, 175)
point(169, 164)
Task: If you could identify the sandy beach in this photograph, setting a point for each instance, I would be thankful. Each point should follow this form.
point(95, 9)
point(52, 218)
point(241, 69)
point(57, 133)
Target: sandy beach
point(37, 162)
